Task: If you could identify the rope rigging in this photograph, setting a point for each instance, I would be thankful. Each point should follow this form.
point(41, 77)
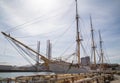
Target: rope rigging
point(27, 47)
point(21, 53)
point(84, 50)
point(85, 36)
point(66, 49)
point(38, 19)
point(62, 34)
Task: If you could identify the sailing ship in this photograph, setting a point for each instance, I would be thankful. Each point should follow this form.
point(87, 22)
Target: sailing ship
point(55, 65)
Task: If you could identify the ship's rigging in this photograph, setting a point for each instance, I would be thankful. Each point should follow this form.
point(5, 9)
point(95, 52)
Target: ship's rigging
point(21, 45)
point(32, 53)
point(16, 42)
point(27, 47)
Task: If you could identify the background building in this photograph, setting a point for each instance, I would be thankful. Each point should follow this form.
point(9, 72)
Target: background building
point(6, 67)
point(85, 60)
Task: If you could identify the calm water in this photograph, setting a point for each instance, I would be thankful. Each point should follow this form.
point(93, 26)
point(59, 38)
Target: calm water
point(16, 74)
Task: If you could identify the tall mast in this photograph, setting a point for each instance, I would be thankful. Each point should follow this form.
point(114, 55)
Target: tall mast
point(101, 49)
point(93, 43)
point(77, 34)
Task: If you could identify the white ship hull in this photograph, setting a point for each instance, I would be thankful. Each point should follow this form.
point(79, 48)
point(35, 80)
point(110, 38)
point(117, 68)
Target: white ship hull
point(63, 67)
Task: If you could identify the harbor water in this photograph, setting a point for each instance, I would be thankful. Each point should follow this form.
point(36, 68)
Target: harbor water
point(16, 74)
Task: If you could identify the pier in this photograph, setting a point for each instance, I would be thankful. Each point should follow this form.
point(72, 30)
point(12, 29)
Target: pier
point(63, 78)
point(116, 79)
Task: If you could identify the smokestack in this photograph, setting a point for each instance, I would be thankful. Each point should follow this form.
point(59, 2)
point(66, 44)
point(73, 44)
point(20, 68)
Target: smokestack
point(48, 52)
point(37, 61)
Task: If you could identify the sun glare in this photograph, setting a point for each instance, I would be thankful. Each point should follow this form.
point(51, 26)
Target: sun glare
point(44, 5)
point(38, 8)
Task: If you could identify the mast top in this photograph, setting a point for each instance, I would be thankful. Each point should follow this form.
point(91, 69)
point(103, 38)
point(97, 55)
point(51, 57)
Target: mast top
point(91, 22)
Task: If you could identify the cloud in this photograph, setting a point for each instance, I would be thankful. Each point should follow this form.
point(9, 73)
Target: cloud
point(48, 20)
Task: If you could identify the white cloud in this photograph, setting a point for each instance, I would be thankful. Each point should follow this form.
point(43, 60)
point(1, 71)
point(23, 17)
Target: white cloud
point(53, 16)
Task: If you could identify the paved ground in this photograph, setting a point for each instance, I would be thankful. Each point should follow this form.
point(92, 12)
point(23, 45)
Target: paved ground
point(117, 79)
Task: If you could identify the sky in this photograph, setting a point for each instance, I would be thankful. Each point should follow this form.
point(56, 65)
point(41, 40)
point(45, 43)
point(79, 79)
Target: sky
point(30, 21)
